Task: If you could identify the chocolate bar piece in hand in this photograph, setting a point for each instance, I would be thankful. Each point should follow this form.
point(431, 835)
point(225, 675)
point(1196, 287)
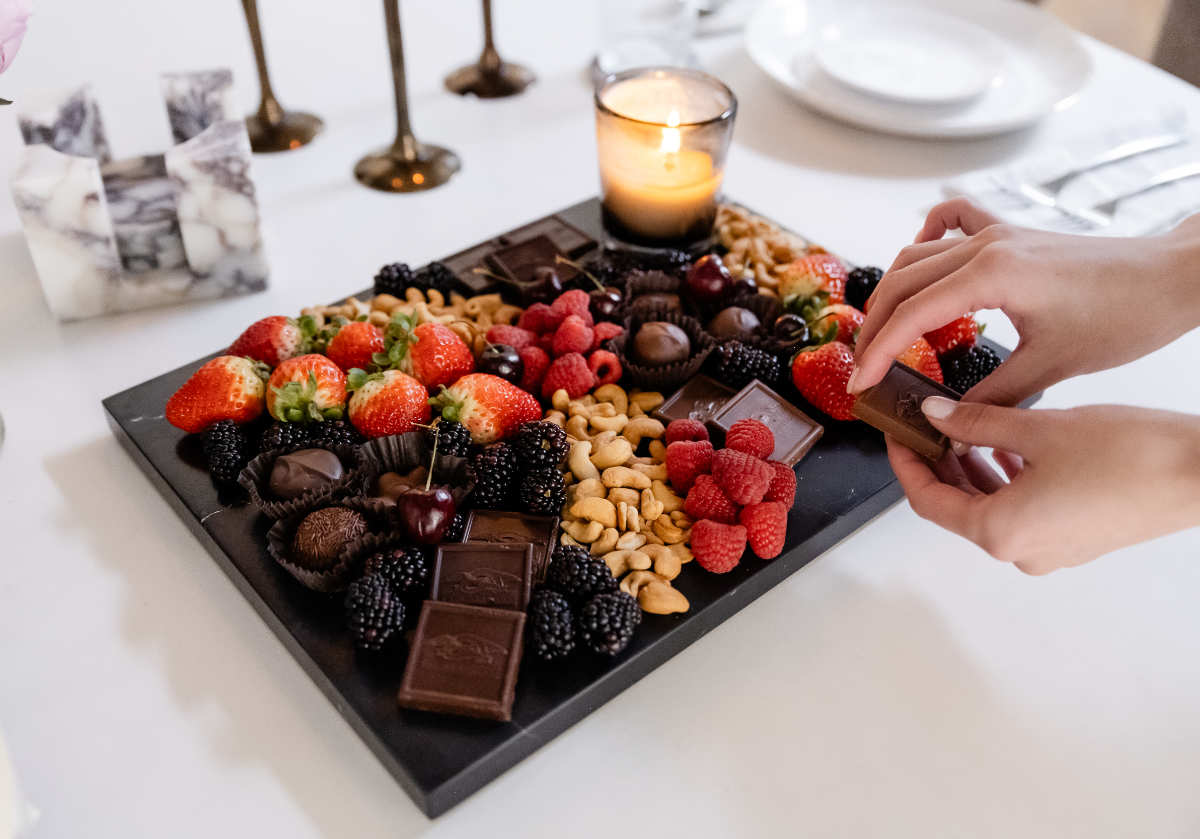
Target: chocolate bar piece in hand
point(894, 407)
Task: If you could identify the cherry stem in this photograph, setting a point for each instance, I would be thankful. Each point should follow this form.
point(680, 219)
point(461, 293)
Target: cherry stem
point(595, 281)
point(433, 458)
point(486, 273)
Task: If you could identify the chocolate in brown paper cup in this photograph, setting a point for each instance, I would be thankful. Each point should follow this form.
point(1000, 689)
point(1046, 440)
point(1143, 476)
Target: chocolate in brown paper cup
point(642, 283)
point(255, 478)
point(405, 452)
point(333, 578)
point(663, 377)
point(764, 307)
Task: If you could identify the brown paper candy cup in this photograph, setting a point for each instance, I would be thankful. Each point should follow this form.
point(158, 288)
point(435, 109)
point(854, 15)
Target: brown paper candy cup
point(255, 478)
point(663, 377)
point(405, 452)
point(333, 578)
point(764, 307)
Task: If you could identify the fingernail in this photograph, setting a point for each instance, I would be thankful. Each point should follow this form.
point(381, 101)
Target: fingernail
point(938, 407)
point(853, 378)
point(959, 448)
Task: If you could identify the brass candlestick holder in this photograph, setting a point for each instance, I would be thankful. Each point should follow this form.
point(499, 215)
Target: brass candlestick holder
point(406, 165)
point(272, 128)
point(490, 77)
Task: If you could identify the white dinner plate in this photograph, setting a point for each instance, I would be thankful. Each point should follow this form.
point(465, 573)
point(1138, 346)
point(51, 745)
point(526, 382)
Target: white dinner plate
point(1024, 63)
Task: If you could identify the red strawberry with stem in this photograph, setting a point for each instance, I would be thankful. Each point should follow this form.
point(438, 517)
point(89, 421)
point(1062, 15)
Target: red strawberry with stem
point(227, 388)
point(488, 406)
point(815, 280)
point(275, 339)
point(837, 322)
point(960, 332)
point(355, 345)
point(820, 374)
point(431, 352)
point(386, 403)
point(920, 357)
point(308, 388)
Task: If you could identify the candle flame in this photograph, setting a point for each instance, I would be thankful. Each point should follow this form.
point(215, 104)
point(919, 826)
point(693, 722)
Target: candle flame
point(672, 141)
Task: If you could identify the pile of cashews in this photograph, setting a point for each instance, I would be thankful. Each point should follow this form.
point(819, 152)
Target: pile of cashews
point(619, 503)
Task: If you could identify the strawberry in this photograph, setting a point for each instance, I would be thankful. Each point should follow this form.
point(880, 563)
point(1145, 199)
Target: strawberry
point(354, 345)
point(308, 388)
point(488, 406)
point(920, 357)
point(387, 403)
point(816, 279)
point(275, 339)
point(227, 388)
point(431, 352)
point(766, 528)
point(717, 547)
point(960, 332)
point(837, 322)
point(821, 373)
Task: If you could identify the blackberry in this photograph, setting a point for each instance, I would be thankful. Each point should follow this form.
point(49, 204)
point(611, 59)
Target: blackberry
point(861, 283)
point(335, 433)
point(550, 626)
point(280, 435)
point(456, 529)
point(406, 570)
point(374, 612)
point(495, 473)
point(452, 438)
point(540, 445)
point(965, 368)
point(577, 574)
point(393, 279)
point(607, 622)
point(226, 450)
point(542, 491)
point(437, 276)
point(737, 365)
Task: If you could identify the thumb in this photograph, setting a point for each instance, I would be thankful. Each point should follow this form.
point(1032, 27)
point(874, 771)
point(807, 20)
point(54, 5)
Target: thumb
point(979, 424)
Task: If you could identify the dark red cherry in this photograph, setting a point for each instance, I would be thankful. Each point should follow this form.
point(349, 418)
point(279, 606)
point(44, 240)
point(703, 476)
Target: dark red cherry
point(426, 513)
point(708, 279)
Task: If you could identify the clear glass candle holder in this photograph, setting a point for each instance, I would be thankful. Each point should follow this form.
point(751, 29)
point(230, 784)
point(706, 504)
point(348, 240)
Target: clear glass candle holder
point(662, 134)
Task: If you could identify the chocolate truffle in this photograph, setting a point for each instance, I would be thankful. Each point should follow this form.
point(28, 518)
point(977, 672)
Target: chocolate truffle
point(308, 469)
point(660, 300)
point(658, 342)
point(733, 323)
point(322, 535)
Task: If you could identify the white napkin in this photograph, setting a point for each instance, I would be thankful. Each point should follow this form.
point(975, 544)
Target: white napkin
point(1151, 212)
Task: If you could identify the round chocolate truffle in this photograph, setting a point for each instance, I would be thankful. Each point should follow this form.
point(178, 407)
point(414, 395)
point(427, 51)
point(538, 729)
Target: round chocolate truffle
point(733, 323)
point(294, 474)
point(660, 300)
point(322, 535)
point(658, 342)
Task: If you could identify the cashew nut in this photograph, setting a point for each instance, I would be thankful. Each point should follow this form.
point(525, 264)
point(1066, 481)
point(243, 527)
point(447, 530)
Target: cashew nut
point(643, 427)
point(588, 488)
point(634, 581)
point(658, 450)
point(565, 539)
point(661, 598)
point(667, 565)
point(681, 550)
point(667, 531)
point(597, 509)
point(619, 562)
point(651, 507)
point(634, 522)
point(584, 531)
point(653, 471)
point(555, 417)
point(671, 502)
point(612, 454)
point(606, 542)
point(622, 512)
point(615, 423)
point(560, 400)
point(619, 494)
point(577, 427)
point(615, 394)
point(579, 461)
point(623, 476)
point(646, 400)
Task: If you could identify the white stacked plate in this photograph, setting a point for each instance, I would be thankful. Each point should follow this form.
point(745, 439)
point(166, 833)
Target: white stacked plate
point(922, 68)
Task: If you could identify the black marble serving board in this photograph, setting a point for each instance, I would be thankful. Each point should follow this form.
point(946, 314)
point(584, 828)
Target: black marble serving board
point(440, 760)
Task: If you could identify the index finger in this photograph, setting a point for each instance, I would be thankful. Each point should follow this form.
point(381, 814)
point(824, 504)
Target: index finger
point(940, 503)
point(955, 214)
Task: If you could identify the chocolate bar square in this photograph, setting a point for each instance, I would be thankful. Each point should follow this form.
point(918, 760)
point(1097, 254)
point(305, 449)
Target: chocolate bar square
point(795, 431)
point(699, 399)
point(567, 238)
point(495, 575)
point(894, 407)
point(516, 528)
point(464, 660)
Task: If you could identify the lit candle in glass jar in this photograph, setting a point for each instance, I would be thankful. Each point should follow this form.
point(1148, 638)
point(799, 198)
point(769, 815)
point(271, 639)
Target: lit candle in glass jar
point(661, 139)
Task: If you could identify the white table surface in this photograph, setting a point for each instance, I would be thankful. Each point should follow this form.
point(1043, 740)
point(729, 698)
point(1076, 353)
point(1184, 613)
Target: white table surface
point(904, 684)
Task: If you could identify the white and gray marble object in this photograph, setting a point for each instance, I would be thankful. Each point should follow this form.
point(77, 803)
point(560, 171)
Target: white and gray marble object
point(67, 122)
point(110, 236)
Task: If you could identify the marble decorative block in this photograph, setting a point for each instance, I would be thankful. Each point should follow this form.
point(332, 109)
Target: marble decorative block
point(110, 236)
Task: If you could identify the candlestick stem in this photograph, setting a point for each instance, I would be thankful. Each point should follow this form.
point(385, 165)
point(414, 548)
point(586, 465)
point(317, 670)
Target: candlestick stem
point(490, 77)
point(272, 128)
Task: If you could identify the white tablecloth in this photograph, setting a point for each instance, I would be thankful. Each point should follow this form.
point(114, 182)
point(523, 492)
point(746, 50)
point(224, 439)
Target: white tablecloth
point(904, 684)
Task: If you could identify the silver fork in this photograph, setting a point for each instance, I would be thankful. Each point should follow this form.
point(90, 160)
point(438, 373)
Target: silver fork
point(1046, 192)
point(1102, 214)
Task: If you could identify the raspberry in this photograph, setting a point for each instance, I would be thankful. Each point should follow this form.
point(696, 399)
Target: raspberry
point(783, 484)
point(605, 331)
point(685, 429)
point(766, 527)
point(573, 302)
point(514, 336)
point(605, 366)
point(705, 500)
point(744, 478)
point(685, 460)
point(540, 318)
point(572, 335)
point(537, 362)
point(569, 372)
point(546, 342)
point(752, 437)
point(718, 547)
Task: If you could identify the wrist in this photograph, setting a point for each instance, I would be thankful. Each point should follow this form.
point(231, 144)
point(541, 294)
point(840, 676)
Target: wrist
point(1181, 268)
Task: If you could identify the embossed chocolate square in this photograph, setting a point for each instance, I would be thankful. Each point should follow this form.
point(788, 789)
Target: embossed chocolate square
point(699, 399)
point(464, 660)
point(795, 431)
point(484, 574)
point(894, 407)
point(516, 528)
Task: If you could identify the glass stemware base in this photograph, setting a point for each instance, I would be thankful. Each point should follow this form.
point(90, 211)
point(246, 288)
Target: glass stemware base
point(293, 130)
point(390, 170)
point(490, 83)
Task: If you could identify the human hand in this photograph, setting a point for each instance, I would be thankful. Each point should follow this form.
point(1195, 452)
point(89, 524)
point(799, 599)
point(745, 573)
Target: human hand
point(1080, 303)
point(1082, 482)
